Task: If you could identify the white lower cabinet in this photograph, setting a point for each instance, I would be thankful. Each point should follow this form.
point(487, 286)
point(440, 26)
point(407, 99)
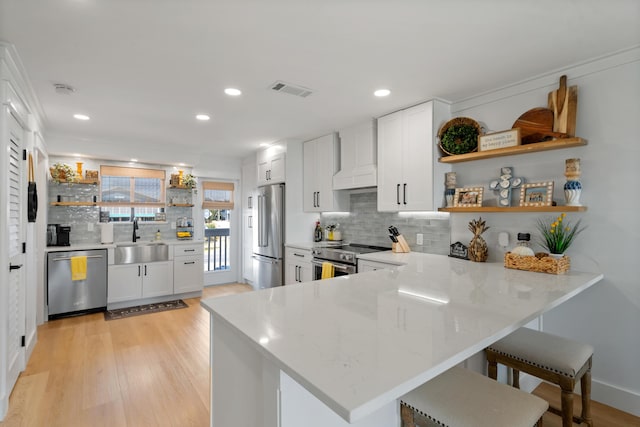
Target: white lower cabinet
point(188, 268)
point(297, 266)
point(135, 281)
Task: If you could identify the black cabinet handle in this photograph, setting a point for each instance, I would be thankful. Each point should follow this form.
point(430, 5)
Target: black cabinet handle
point(404, 193)
point(302, 256)
point(14, 267)
point(139, 271)
point(318, 199)
point(398, 194)
point(145, 270)
point(191, 262)
point(189, 250)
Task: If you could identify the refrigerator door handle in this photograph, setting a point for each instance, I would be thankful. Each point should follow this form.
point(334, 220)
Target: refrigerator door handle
point(260, 215)
point(262, 230)
point(261, 259)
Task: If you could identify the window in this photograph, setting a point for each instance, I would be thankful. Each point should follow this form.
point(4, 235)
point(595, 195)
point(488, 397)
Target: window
point(129, 193)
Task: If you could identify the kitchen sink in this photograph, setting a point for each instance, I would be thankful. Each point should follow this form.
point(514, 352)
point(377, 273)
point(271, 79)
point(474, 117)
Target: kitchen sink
point(136, 253)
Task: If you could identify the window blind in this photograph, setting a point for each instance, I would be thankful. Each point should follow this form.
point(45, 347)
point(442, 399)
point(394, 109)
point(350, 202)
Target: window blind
point(217, 195)
point(125, 186)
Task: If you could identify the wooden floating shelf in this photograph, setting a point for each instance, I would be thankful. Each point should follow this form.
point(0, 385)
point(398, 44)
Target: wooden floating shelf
point(516, 209)
point(74, 204)
point(180, 187)
point(555, 144)
point(180, 205)
point(82, 181)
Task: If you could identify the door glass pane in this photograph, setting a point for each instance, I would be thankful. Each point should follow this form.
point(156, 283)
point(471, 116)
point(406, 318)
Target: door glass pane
point(217, 239)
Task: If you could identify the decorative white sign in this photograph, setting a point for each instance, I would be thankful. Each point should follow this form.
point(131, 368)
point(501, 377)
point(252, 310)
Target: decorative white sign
point(493, 141)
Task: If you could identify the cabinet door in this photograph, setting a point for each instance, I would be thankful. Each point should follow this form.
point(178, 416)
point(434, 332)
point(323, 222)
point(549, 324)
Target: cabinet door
point(326, 150)
point(417, 159)
point(305, 272)
point(157, 279)
point(125, 283)
point(277, 169)
point(390, 147)
point(188, 274)
point(309, 188)
point(290, 272)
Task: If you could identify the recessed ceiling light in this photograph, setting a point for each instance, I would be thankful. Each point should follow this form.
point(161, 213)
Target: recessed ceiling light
point(382, 92)
point(134, 160)
point(81, 117)
point(232, 91)
point(202, 117)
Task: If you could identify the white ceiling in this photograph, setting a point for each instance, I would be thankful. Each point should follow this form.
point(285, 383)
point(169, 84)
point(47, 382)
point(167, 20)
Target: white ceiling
point(142, 69)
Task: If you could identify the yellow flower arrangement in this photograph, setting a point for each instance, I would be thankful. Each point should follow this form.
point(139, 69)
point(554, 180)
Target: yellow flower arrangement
point(558, 234)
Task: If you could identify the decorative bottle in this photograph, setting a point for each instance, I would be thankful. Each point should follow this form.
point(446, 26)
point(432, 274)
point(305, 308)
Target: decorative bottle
point(317, 234)
point(573, 187)
point(523, 248)
point(450, 187)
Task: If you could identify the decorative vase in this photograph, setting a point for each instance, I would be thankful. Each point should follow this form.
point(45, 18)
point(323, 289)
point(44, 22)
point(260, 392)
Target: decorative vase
point(450, 187)
point(556, 256)
point(79, 169)
point(478, 250)
point(573, 187)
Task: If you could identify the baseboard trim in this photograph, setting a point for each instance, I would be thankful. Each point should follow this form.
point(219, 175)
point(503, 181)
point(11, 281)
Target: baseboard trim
point(620, 398)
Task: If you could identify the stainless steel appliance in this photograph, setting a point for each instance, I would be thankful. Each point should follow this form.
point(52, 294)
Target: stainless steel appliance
point(268, 238)
point(58, 235)
point(343, 258)
point(66, 297)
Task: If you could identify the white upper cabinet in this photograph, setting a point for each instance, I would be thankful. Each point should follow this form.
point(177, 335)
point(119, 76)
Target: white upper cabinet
point(321, 160)
point(409, 176)
point(358, 154)
point(271, 165)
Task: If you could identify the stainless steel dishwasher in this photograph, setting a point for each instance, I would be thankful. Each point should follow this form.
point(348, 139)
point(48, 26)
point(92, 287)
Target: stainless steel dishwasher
point(67, 297)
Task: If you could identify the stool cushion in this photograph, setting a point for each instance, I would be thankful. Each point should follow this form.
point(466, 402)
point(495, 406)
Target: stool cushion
point(546, 351)
point(462, 398)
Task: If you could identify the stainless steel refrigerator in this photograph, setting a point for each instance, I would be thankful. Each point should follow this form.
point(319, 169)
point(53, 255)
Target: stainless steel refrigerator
point(268, 238)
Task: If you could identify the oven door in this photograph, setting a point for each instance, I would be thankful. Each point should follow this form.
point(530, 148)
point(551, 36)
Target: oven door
point(338, 268)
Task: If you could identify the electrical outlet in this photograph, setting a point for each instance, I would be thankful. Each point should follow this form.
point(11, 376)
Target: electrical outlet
point(90, 226)
point(173, 225)
point(419, 240)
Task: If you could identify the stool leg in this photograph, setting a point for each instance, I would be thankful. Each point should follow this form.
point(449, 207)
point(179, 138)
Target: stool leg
point(406, 415)
point(492, 369)
point(516, 378)
point(567, 407)
point(585, 388)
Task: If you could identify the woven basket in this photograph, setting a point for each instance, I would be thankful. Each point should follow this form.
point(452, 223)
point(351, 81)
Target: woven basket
point(456, 122)
point(540, 263)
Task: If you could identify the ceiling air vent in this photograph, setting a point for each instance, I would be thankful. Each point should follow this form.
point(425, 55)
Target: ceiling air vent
point(63, 89)
point(283, 87)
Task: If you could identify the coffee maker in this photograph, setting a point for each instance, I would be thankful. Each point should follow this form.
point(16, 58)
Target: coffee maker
point(58, 235)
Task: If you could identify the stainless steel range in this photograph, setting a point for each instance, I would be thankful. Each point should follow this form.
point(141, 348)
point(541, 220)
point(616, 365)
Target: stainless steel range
point(343, 258)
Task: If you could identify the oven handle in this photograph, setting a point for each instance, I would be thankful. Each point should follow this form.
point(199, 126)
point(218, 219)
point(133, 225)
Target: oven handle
point(349, 269)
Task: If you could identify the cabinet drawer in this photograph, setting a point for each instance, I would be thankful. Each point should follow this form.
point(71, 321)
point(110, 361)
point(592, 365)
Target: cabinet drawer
point(185, 250)
point(297, 255)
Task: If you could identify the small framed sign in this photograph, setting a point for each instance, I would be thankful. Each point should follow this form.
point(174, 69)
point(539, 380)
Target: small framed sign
point(468, 197)
point(493, 141)
point(536, 194)
point(458, 250)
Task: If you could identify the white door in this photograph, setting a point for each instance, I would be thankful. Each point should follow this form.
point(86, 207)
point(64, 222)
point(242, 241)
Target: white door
point(16, 221)
point(309, 188)
point(417, 162)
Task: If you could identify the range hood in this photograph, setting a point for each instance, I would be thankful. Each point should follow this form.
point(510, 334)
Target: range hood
point(358, 157)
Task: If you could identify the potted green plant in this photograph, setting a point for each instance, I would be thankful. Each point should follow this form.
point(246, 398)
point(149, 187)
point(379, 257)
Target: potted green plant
point(189, 181)
point(459, 136)
point(556, 235)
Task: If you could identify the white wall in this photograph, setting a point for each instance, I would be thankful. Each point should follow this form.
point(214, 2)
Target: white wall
point(607, 315)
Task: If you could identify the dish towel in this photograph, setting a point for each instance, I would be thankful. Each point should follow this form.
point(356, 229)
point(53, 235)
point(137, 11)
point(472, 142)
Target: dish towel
point(327, 270)
point(78, 268)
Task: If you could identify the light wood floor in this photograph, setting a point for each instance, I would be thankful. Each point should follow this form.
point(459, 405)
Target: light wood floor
point(150, 370)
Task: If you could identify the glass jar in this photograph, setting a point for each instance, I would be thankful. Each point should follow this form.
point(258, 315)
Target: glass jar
point(523, 248)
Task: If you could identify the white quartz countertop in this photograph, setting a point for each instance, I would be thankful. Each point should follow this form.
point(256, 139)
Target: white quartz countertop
point(90, 246)
point(310, 245)
point(359, 342)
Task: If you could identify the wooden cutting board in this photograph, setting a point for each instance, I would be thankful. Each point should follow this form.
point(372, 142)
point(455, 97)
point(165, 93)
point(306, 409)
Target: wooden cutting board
point(536, 125)
point(564, 103)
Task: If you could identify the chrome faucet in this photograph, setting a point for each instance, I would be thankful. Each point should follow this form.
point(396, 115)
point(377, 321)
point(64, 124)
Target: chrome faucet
point(135, 228)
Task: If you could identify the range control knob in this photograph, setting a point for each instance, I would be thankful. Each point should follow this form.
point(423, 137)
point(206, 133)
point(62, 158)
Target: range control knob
point(343, 257)
point(347, 257)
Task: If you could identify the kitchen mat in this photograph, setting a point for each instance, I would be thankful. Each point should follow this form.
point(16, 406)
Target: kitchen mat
point(121, 313)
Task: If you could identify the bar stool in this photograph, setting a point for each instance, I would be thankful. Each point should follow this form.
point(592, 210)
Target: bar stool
point(558, 360)
point(462, 398)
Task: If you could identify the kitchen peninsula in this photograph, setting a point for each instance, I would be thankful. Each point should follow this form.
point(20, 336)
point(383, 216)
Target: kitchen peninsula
point(342, 351)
